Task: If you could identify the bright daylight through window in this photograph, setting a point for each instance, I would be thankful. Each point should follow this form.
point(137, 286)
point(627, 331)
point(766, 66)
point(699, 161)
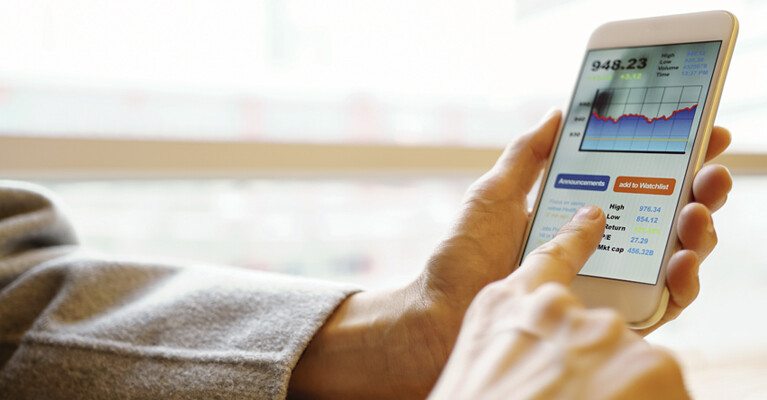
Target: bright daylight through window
point(465, 76)
point(397, 72)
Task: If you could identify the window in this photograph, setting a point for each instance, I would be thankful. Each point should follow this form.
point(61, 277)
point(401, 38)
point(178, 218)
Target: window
point(335, 138)
point(398, 72)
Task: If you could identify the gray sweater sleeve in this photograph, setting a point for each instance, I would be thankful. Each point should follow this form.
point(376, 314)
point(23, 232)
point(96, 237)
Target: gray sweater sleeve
point(76, 325)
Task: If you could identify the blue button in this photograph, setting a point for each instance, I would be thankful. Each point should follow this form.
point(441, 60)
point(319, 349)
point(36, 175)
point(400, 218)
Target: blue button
point(582, 182)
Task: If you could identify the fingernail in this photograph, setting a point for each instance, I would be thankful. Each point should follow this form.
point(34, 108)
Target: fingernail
point(586, 213)
point(549, 114)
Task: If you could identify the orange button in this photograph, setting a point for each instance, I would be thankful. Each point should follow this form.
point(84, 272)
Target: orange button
point(638, 184)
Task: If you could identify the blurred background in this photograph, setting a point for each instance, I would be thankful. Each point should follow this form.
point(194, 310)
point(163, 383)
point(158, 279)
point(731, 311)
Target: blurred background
point(335, 139)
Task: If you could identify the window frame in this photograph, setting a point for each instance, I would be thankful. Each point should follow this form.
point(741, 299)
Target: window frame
point(24, 157)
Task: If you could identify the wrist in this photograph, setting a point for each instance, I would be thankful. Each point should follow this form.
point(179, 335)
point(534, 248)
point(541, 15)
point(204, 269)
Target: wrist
point(384, 344)
point(342, 353)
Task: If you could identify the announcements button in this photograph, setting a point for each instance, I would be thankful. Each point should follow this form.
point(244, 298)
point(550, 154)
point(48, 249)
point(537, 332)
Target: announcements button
point(582, 182)
point(637, 184)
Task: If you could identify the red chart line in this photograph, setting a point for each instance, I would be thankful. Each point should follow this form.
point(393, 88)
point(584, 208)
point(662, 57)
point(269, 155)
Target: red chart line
point(649, 121)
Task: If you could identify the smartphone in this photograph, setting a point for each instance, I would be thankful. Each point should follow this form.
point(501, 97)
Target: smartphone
point(634, 135)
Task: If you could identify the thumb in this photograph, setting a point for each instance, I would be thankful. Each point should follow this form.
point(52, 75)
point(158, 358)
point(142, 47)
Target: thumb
point(561, 258)
point(519, 167)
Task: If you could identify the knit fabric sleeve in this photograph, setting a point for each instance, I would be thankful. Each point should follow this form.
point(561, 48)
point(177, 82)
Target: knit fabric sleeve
point(76, 325)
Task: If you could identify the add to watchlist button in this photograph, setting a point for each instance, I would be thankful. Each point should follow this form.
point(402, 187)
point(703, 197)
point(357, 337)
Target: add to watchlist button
point(643, 185)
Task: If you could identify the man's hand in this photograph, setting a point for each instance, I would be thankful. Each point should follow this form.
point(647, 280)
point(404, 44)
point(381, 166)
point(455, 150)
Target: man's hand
point(527, 336)
point(395, 343)
point(487, 240)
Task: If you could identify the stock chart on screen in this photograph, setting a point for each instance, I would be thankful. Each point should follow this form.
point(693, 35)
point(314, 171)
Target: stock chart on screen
point(643, 119)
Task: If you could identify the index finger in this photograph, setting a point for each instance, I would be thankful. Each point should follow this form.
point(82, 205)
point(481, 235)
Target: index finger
point(561, 258)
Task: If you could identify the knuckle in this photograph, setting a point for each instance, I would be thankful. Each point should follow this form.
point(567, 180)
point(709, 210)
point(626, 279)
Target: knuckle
point(552, 297)
point(492, 294)
point(474, 190)
point(609, 317)
point(480, 199)
point(520, 144)
point(546, 309)
point(613, 325)
point(598, 329)
point(555, 290)
point(553, 250)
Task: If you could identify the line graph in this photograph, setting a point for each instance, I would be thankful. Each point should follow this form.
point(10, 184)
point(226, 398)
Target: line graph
point(648, 119)
point(644, 117)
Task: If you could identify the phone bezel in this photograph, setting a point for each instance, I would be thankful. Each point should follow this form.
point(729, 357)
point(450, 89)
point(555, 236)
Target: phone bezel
point(642, 304)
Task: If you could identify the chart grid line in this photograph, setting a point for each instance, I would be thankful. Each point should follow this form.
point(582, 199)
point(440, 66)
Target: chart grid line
point(645, 119)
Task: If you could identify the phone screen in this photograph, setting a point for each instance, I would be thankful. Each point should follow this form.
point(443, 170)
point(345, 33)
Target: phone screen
point(625, 147)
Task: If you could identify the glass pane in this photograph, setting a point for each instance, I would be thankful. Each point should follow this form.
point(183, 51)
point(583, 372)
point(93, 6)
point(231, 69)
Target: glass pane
point(402, 71)
point(371, 232)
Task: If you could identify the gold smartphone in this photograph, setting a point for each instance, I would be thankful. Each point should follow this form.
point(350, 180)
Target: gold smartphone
point(634, 135)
